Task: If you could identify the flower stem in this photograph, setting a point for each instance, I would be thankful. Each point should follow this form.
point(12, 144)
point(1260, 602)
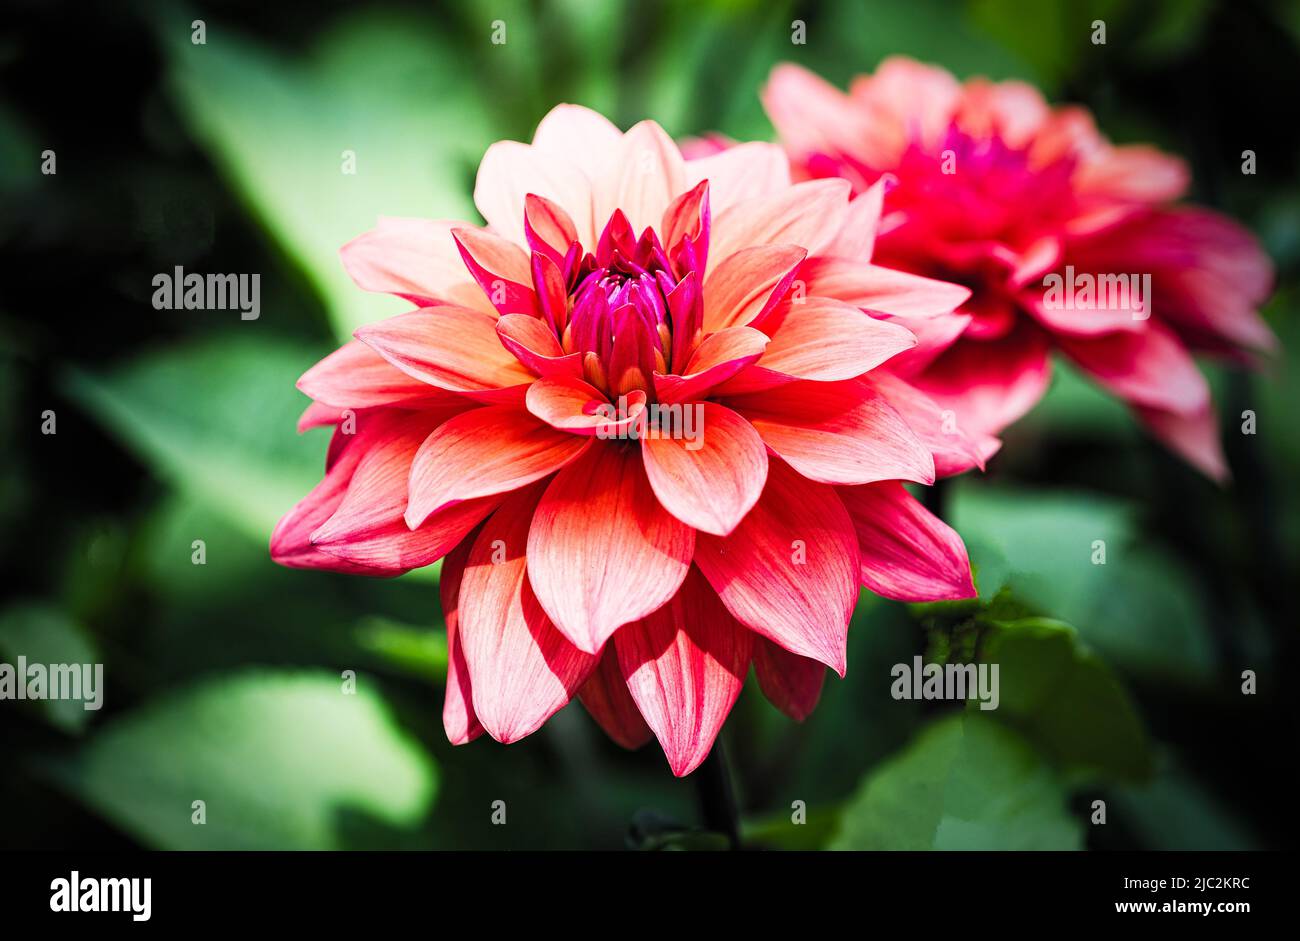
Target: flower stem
point(717, 799)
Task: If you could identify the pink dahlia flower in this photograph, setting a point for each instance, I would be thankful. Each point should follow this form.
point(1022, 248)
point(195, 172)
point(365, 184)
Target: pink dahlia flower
point(986, 185)
point(528, 422)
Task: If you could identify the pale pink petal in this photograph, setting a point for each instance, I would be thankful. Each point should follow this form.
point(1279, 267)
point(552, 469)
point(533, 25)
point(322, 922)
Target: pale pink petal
point(488, 450)
point(856, 238)
point(522, 670)
point(837, 433)
point(415, 259)
point(574, 406)
point(510, 171)
point(745, 171)
point(790, 682)
point(953, 449)
point(709, 483)
point(807, 214)
point(908, 553)
point(685, 665)
point(811, 115)
point(605, 696)
point(602, 551)
point(790, 576)
point(649, 174)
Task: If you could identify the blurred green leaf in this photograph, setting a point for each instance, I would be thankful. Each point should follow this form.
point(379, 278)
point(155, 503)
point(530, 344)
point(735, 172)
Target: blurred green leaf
point(216, 419)
point(1175, 811)
point(44, 634)
point(386, 88)
point(966, 783)
point(1065, 700)
point(418, 651)
point(281, 761)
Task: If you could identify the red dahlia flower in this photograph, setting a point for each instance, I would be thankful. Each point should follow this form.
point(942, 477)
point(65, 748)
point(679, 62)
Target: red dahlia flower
point(532, 422)
point(986, 185)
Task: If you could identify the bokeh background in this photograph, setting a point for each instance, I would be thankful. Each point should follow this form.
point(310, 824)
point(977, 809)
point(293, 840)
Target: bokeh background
point(223, 679)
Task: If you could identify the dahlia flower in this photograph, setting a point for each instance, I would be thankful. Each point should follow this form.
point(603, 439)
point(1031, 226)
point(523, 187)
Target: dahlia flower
point(986, 185)
point(521, 424)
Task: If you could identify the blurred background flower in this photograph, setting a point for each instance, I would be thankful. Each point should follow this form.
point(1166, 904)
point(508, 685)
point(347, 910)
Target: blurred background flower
point(1120, 681)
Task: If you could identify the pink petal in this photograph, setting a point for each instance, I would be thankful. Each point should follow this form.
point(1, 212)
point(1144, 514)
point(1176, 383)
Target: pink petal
point(1148, 368)
point(908, 553)
point(368, 528)
point(1194, 437)
point(746, 171)
point(500, 268)
point(837, 433)
point(856, 239)
point(806, 214)
point(650, 172)
point(481, 452)
point(790, 682)
point(458, 719)
point(826, 341)
point(720, 356)
point(355, 376)
point(605, 696)
point(602, 551)
point(713, 486)
point(534, 344)
point(685, 665)
point(953, 449)
point(521, 668)
point(415, 259)
point(579, 408)
point(881, 290)
point(748, 283)
point(510, 171)
point(811, 115)
point(790, 569)
point(453, 348)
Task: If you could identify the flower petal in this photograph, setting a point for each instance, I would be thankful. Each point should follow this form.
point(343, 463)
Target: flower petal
point(501, 269)
point(746, 171)
point(510, 171)
point(453, 348)
point(535, 346)
point(458, 719)
point(522, 670)
point(650, 172)
point(882, 290)
point(355, 376)
point(1194, 437)
point(605, 696)
point(720, 356)
point(415, 259)
point(579, 408)
point(1148, 368)
point(953, 449)
point(837, 433)
point(602, 551)
point(790, 682)
point(790, 569)
point(685, 665)
point(908, 553)
point(806, 214)
point(712, 482)
point(748, 283)
point(484, 451)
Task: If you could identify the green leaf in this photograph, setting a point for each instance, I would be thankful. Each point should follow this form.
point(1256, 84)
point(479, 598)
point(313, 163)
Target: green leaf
point(216, 419)
point(967, 782)
point(280, 760)
point(417, 651)
point(46, 635)
point(1065, 699)
point(385, 88)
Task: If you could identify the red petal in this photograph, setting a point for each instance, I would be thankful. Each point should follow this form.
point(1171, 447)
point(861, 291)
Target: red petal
point(574, 406)
point(719, 357)
point(908, 553)
point(355, 376)
point(458, 719)
point(685, 665)
point(790, 682)
point(606, 697)
point(534, 344)
point(837, 433)
point(742, 286)
point(790, 569)
point(501, 269)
